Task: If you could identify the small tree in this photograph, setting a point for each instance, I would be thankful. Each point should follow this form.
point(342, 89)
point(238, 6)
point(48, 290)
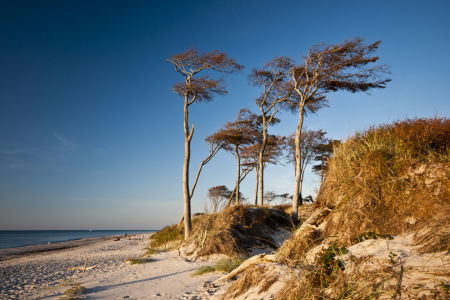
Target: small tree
point(283, 198)
point(272, 155)
point(269, 197)
point(233, 136)
point(331, 68)
point(197, 89)
point(218, 197)
point(323, 152)
point(309, 141)
point(272, 79)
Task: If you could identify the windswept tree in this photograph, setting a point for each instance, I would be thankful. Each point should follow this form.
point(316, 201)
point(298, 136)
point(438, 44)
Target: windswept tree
point(309, 141)
point(346, 66)
point(194, 89)
point(233, 136)
point(218, 197)
point(270, 196)
point(272, 155)
point(272, 79)
point(283, 198)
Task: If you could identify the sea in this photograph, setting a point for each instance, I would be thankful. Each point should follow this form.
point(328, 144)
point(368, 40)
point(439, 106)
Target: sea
point(20, 238)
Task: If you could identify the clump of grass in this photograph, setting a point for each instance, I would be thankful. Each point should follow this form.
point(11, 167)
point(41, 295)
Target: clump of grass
point(138, 261)
point(74, 292)
point(223, 265)
point(168, 235)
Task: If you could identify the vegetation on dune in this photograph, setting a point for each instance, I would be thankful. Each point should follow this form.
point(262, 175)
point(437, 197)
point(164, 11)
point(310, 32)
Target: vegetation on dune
point(236, 230)
point(388, 180)
point(169, 234)
point(398, 172)
point(223, 265)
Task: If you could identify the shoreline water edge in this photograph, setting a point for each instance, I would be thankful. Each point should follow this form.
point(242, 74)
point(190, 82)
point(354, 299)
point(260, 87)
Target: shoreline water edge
point(45, 271)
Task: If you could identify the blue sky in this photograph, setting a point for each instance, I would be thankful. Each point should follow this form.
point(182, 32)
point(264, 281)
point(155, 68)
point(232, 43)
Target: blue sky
point(92, 137)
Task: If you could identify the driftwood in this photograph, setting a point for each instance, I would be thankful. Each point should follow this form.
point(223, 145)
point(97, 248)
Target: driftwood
point(257, 259)
point(82, 268)
point(312, 219)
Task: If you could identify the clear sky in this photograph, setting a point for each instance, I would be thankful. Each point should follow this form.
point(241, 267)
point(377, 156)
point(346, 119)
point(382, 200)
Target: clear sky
point(92, 137)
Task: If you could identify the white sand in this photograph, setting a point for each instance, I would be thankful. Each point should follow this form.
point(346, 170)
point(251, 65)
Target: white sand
point(46, 276)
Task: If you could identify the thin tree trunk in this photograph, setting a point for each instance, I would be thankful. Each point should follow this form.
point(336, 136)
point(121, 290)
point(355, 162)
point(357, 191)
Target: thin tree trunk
point(234, 191)
point(261, 162)
point(257, 182)
point(187, 155)
point(298, 172)
point(204, 162)
point(238, 158)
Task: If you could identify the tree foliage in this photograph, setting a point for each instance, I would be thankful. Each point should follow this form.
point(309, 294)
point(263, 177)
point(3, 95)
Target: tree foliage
point(346, 66)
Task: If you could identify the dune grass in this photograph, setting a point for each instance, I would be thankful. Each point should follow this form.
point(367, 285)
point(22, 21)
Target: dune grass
point(223, 265)
point(387, 180)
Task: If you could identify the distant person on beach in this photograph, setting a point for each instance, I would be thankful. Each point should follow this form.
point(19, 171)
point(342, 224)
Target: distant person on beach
point(125, 235)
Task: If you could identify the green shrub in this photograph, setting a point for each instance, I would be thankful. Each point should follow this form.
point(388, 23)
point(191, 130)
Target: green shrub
point(371, 235)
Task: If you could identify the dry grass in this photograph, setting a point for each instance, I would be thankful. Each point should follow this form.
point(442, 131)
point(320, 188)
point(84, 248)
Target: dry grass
point(435, 236)
point(390, 179)
point(237, 229)
point(398, 172)
point(254, 276)
point(169, 237)
point(390, 281)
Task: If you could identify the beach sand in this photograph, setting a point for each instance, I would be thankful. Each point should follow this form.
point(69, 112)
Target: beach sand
point(45, 275)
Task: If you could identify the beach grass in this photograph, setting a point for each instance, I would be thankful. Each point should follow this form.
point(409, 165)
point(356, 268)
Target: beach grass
point(138, 261)
point(223, 265)
point(74, 292)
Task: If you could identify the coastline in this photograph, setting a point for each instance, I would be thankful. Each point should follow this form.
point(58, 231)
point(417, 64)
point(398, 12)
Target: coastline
point(16, 252)
point(46, 275)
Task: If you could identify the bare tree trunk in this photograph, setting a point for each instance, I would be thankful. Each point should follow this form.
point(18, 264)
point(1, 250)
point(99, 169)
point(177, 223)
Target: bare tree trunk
point(257, 182)
point(204, 162)
point(234, 191)
point(187, 156)
point(261, 162)
point(238, 158)
point(298, 171)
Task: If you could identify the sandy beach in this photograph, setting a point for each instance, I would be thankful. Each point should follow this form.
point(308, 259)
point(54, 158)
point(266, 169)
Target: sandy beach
point(45, 275)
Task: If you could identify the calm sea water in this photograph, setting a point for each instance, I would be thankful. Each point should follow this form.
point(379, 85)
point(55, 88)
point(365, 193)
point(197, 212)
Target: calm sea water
point(19, 238)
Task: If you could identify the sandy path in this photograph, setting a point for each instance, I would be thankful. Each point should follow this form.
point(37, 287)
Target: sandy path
point(45, 275)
